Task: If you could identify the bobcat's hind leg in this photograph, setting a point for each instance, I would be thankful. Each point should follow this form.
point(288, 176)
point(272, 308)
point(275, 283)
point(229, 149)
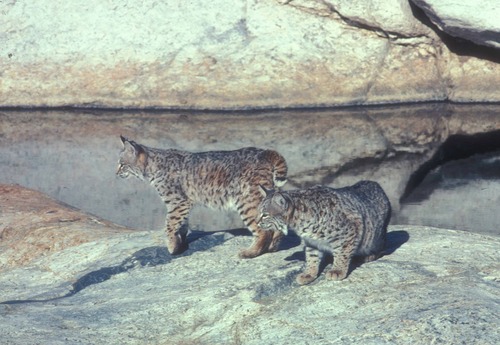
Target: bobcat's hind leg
point(275, 241)
point(262, 238)
point(342, 256)
point(176, 226)
point(259, 246)
point(341, 264)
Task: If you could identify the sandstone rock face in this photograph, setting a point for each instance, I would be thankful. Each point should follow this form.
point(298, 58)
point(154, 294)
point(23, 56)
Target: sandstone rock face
point(230, 54)
point(122, 287)
point(72, 156)
point(471, 20)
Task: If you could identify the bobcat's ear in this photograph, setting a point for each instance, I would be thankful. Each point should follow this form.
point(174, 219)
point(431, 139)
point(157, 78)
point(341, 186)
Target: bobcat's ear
point(132, 148)
point(264, 191)
point(280, 200)
point(123, 139)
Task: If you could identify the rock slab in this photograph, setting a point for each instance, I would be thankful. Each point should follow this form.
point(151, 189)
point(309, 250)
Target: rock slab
point(471, 20)
point(433, 286)
point(231, 54)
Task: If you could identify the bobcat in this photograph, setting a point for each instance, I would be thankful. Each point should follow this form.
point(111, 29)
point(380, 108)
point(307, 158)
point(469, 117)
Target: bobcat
point(217, 179)
point(345, 222)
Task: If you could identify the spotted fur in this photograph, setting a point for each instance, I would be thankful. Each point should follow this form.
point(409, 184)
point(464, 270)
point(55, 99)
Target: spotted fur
point(217, 179)
point(345, 222)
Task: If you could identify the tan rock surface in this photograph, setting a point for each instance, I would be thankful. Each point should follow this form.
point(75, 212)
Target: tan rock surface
point(33, 225)
point(229, 54)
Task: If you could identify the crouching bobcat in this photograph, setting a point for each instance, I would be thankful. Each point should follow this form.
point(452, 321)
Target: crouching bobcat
point(344, 222)
point(217, 179)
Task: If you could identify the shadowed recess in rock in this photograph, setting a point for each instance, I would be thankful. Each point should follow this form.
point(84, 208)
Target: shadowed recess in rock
point(150, 256)
point(454, 148)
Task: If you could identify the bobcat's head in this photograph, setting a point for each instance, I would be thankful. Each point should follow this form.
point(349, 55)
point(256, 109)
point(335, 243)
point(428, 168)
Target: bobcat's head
point(275, 210)
point(133, 159)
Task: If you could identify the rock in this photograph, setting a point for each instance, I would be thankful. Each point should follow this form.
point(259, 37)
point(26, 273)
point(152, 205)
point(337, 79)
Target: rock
point(470, 20)
point(34, 225)
point(463, 191)
point(228, 54)
point(72, 156)
point(434, 285)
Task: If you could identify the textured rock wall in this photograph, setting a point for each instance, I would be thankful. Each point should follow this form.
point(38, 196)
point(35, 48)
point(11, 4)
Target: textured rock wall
point(230, 54)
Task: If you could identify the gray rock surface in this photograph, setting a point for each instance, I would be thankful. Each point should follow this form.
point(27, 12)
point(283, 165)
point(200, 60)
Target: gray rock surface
point(476, 21)
point(433, 286)
point(230, 54)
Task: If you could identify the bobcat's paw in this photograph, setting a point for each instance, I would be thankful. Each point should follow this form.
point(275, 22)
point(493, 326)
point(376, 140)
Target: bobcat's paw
point(336, 274)
point(248, 253)
point(305, 278)
point(177, 246)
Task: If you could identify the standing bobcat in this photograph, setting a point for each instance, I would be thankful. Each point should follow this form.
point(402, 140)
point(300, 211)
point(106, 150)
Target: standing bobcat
point(345, 222)
point(217, 179)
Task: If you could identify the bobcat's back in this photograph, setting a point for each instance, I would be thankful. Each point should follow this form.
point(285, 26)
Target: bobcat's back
point(219, 178)
point(330, 213)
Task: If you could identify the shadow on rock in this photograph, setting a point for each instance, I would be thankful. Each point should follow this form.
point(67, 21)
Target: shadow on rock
point(394, 240)
point(150, 256)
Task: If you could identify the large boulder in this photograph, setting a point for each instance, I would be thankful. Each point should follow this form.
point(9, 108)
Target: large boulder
point(471, 20)
point(230, 54)
point(117, 286)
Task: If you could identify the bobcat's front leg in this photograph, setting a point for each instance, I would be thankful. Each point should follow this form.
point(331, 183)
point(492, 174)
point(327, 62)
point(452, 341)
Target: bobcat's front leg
point(343, 254)
point(176, 227)
point(310, 272)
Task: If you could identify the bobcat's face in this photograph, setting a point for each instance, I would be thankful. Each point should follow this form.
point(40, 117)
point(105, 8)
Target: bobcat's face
point(273, 211)
point(132, 160)
point(123, 170)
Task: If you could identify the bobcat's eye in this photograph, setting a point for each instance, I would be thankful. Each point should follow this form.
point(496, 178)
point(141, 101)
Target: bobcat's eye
point(121, 170)
point(263, 216)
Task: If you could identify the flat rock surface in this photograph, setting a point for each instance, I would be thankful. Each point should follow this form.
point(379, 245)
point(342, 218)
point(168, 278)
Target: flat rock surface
point(433, 286)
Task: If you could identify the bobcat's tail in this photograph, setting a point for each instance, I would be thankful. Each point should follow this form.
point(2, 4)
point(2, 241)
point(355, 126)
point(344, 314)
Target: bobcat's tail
point(280, 168)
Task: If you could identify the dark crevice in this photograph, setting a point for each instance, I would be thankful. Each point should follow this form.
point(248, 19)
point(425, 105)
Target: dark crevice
point(457, 45)
point(455, 147)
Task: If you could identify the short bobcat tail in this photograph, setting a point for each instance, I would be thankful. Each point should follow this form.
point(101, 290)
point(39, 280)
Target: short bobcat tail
point(280, 168)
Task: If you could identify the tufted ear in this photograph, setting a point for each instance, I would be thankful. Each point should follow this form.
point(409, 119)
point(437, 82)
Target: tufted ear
point(123, 139)
point(264, 191)
point(280, 200)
